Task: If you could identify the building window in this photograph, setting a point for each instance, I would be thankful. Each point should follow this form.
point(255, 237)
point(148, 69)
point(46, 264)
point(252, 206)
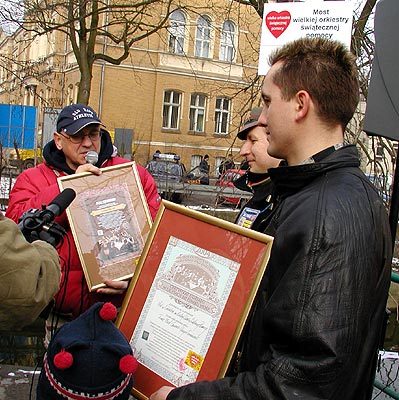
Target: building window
point(197, 112)
point(171, 109)
point(195, 162)
point(176, 32)
point(380, 152)
point(218, 163)
point(30, 95)
point(227, 52)
point(203, 39)
point(222, 114)
point(70, 94)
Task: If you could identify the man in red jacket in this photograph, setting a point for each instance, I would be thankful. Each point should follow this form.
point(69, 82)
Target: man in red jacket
point(78, 132)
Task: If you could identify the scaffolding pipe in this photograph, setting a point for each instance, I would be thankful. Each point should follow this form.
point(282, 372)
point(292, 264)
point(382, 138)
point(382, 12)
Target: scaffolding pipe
point(385, 389)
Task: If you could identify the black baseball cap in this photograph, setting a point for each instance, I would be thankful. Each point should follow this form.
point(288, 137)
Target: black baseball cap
point(75, 117)
point(250, 123)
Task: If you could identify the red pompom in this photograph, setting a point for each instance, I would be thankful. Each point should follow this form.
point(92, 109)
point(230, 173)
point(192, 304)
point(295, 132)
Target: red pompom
point(128, 364)
point(108, 312)
point(63, 359)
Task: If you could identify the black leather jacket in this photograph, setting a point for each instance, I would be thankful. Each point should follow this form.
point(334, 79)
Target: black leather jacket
point(317, 320)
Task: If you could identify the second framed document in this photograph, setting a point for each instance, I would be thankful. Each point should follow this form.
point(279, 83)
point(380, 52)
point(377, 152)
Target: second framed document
point(188, 302)
point(110, 222)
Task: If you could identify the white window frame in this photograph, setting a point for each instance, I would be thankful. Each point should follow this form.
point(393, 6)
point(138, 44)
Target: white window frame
point(227, 41)
point(177, 27)
point(195, 162)
point(197, 112)
point(171, 109)
point(203, 37)
point(222, 115)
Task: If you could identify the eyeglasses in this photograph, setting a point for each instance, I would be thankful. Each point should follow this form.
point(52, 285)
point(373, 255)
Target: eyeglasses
point(93, 136)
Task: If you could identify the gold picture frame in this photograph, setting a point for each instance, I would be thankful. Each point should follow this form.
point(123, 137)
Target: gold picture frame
point(189, 299)
point(110, 222)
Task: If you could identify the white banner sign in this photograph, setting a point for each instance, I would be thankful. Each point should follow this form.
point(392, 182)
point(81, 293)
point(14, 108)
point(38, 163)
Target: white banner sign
point(285, 22)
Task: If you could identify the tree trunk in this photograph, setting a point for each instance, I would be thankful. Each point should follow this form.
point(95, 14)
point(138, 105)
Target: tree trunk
point(84, 88)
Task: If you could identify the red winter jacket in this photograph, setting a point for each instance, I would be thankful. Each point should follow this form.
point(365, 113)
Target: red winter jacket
point(37, 186)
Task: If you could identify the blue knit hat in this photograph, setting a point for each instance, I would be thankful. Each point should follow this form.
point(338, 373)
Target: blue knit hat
point(75, 117)
point(88, 358)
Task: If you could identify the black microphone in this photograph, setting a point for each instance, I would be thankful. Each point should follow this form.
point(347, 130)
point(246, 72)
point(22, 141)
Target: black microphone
point(58, 205)
point(91, 157)
point(39, 224)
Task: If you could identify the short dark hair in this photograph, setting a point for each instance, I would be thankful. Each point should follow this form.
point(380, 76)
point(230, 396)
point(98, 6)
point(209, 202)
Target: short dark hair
point(326, 70)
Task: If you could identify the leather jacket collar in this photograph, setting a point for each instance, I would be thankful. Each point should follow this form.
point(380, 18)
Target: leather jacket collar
point(289, 179)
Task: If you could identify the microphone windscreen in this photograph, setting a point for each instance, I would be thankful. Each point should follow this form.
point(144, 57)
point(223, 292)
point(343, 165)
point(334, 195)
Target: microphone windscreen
point(91, 157)
point(60, 203)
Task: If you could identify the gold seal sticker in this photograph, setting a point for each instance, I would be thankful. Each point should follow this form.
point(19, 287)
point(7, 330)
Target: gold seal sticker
point(194, 360)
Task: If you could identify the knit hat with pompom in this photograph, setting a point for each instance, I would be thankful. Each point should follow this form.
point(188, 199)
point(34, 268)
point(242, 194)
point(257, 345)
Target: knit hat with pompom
point(88, 358)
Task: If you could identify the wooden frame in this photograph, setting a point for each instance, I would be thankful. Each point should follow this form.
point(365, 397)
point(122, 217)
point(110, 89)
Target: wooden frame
point(110, 222)
point(190, 297)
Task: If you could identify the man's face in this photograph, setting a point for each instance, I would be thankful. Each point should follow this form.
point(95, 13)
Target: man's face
point(278, 116)
point(75, 152)
point(254, 149)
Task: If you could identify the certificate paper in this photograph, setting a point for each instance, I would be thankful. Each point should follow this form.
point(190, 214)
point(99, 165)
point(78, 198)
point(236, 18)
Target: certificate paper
point(187, 303)
point(182, 311)
point(110, 222)
point(113, 223)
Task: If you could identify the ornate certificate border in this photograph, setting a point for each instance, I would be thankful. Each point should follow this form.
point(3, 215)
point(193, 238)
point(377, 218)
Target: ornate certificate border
point(190, 297)
point(110, 222)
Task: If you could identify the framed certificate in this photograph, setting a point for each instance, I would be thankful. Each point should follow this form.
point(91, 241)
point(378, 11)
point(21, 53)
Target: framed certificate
point(110, 222)
point(190, 297)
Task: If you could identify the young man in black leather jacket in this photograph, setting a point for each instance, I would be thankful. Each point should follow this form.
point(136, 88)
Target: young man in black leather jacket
point(316, 325)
